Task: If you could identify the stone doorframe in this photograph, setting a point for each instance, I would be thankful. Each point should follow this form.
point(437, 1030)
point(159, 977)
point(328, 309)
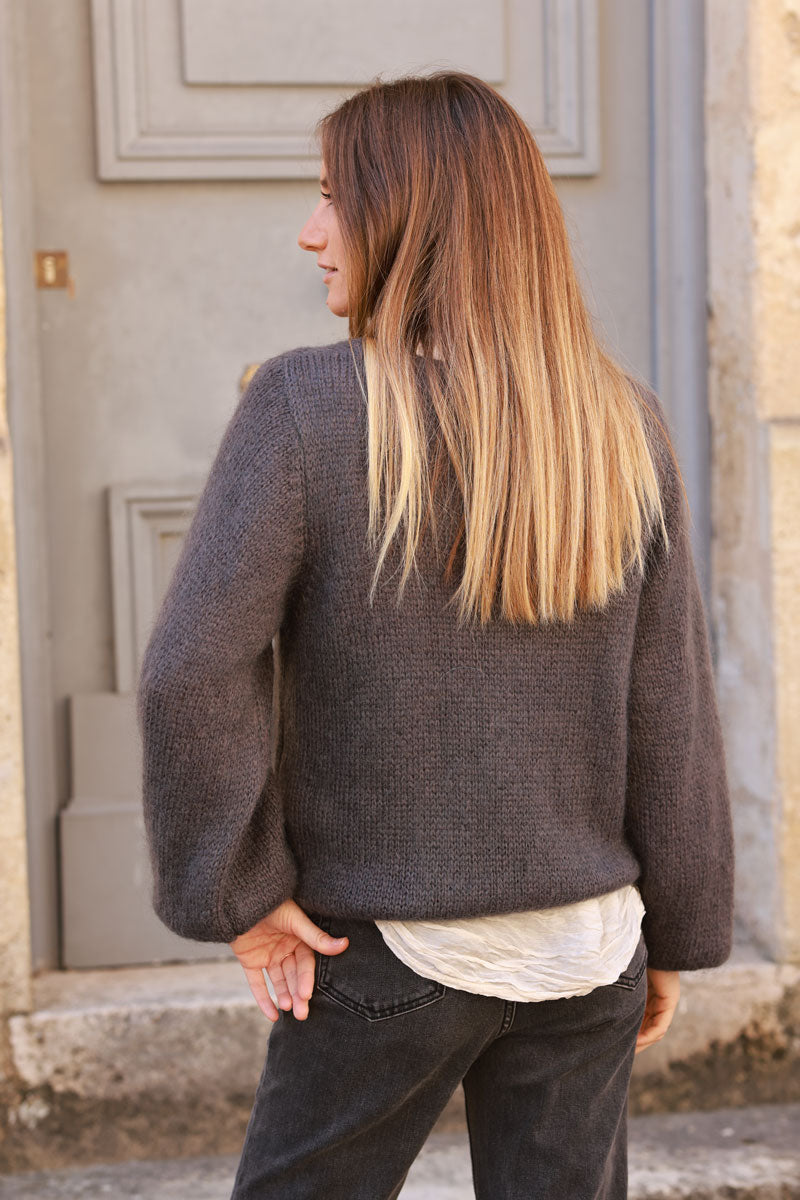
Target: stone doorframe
point(29, 514)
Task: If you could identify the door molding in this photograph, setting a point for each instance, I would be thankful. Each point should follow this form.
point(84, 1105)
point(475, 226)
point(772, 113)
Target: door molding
point(679, 351)
point(179, 92)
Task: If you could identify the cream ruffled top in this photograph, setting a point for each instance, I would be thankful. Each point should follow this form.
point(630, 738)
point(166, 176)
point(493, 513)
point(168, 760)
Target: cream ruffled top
point(540, 954)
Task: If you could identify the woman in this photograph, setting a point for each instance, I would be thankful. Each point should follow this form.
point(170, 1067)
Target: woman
point(495, 790)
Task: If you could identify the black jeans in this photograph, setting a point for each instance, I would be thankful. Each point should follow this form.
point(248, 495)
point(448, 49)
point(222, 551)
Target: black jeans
point(348, 1096)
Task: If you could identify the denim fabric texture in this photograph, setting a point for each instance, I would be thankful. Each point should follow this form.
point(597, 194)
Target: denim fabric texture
point(348, 1097)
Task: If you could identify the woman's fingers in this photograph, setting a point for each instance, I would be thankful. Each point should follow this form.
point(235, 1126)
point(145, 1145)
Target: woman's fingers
point(292, 994)
point(258, 986)
point(294, 976)
point(652, 1030)
point(314, 937)
point(293, 980)
point(283, 943)
point(305, 968)
point(663, 993)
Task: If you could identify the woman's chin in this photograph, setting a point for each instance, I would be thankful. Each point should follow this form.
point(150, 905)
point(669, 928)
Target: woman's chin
point(337, 308)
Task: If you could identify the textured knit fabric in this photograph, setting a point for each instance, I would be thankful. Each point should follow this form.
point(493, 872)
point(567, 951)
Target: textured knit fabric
point(417, 769)
point(544, 954)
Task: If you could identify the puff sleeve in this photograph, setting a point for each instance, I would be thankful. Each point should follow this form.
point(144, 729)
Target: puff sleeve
point(678, 816)
point(212, 813)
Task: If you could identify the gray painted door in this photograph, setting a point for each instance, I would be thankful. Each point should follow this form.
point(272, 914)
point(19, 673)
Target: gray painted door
point(170, 158)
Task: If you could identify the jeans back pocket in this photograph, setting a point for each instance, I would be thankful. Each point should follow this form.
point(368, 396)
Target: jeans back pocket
point(368, 977)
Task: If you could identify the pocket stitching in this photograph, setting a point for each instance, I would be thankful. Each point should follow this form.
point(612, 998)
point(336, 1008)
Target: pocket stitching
point(372, 1013)
point(631, 981)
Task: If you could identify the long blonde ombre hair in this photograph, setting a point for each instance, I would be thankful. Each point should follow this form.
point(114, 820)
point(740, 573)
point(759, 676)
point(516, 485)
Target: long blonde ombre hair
point(456, 248)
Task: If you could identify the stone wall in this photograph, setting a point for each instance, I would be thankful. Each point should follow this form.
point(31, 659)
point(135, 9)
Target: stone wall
point(15, 964)
point(753, 182)
point(776, 219)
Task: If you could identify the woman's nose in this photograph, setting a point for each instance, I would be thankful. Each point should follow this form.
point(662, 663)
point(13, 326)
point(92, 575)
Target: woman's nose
point(310, 236)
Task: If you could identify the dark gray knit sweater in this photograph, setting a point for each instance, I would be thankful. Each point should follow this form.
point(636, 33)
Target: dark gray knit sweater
point(417, 770)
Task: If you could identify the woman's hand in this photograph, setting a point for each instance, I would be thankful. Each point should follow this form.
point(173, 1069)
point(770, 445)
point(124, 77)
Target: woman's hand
point(663, 993)
point(284, 942)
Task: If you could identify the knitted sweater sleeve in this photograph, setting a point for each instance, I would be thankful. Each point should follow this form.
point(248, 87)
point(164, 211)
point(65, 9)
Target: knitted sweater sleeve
point(213, 820)
point(677, 803)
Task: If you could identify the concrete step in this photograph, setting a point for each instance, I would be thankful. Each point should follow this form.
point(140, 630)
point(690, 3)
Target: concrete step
point(738, 1154)
point(132, 1062)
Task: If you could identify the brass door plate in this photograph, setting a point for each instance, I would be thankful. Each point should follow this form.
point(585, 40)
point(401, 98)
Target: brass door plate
point(52, 269)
